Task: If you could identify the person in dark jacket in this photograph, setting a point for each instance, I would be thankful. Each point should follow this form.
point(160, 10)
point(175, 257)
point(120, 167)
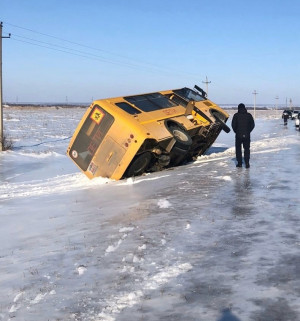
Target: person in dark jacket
point(242, 124)
point(285, 117)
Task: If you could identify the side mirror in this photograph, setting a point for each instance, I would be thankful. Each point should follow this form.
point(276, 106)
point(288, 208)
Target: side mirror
point(201, 91)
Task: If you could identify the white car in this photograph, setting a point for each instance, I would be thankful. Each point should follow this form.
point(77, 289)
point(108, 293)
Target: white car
point(297, 121)
point(295, 114)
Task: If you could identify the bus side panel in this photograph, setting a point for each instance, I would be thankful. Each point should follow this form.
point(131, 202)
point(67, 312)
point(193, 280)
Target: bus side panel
point(130, 153)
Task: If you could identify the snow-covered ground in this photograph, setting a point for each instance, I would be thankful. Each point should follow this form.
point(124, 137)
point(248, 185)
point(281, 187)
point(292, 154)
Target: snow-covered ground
point(204, 241)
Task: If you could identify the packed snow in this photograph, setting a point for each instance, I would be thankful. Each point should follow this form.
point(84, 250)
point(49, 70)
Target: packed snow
point(203, 241)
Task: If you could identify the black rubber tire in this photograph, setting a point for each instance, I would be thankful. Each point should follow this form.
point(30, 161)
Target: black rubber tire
point(178, 156)
point(139, 164)
point(223, 125)
point(183, 139)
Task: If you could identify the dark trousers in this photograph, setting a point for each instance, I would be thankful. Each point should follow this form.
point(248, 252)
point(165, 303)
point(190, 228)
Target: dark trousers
point(245, 141)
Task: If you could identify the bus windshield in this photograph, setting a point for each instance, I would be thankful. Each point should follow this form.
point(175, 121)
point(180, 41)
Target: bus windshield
point(189, 94)
point(90, 136)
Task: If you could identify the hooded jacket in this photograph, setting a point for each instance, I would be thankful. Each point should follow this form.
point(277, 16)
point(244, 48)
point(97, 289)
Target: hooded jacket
point(242, 122)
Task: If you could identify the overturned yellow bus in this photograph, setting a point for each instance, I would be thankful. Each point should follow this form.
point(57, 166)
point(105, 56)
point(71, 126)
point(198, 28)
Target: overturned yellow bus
point(128, 136)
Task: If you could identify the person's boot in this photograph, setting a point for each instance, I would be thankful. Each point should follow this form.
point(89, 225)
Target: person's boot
point(247, 165)
point(239, 165)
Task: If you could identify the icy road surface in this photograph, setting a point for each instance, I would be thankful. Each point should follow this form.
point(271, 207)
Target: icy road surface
point(204, 241)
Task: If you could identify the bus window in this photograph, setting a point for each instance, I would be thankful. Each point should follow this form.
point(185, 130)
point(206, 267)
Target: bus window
point(128, 108)
point(150, 102)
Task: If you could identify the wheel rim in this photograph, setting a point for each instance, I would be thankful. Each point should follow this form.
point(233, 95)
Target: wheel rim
point(180, 135)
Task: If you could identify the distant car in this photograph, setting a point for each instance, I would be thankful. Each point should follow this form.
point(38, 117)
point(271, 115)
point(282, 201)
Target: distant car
point(295, 114)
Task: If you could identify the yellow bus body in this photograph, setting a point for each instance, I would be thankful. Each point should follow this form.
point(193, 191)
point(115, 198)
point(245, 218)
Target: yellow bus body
point(127, 136)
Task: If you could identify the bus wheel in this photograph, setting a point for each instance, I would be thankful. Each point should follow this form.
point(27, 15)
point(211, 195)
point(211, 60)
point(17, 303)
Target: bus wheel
point(178, 156)
point(139, 164)
point(183, 139)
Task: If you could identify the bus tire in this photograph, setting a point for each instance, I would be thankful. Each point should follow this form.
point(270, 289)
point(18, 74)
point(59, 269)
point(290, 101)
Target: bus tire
point(183, 139)
point(178, 156)
point(139, 164)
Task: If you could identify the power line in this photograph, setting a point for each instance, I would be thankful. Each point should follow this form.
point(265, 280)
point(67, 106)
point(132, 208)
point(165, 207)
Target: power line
point(97, 58)
point(50, 44)
point(62, 39)
point(42, 143)
point(68, 41)
point(255, 93)
point(84, 55)
point(134, 64)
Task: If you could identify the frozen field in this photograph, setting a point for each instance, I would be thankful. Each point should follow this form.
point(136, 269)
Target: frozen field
point(205, 241)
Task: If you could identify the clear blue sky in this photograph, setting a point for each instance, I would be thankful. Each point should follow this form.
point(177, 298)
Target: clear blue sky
point(97, 49)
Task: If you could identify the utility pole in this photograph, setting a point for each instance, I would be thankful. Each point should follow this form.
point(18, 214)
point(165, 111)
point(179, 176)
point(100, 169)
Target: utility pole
point(206, 82)
point(1, 107)
point(276, 103)
point(254, 93)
